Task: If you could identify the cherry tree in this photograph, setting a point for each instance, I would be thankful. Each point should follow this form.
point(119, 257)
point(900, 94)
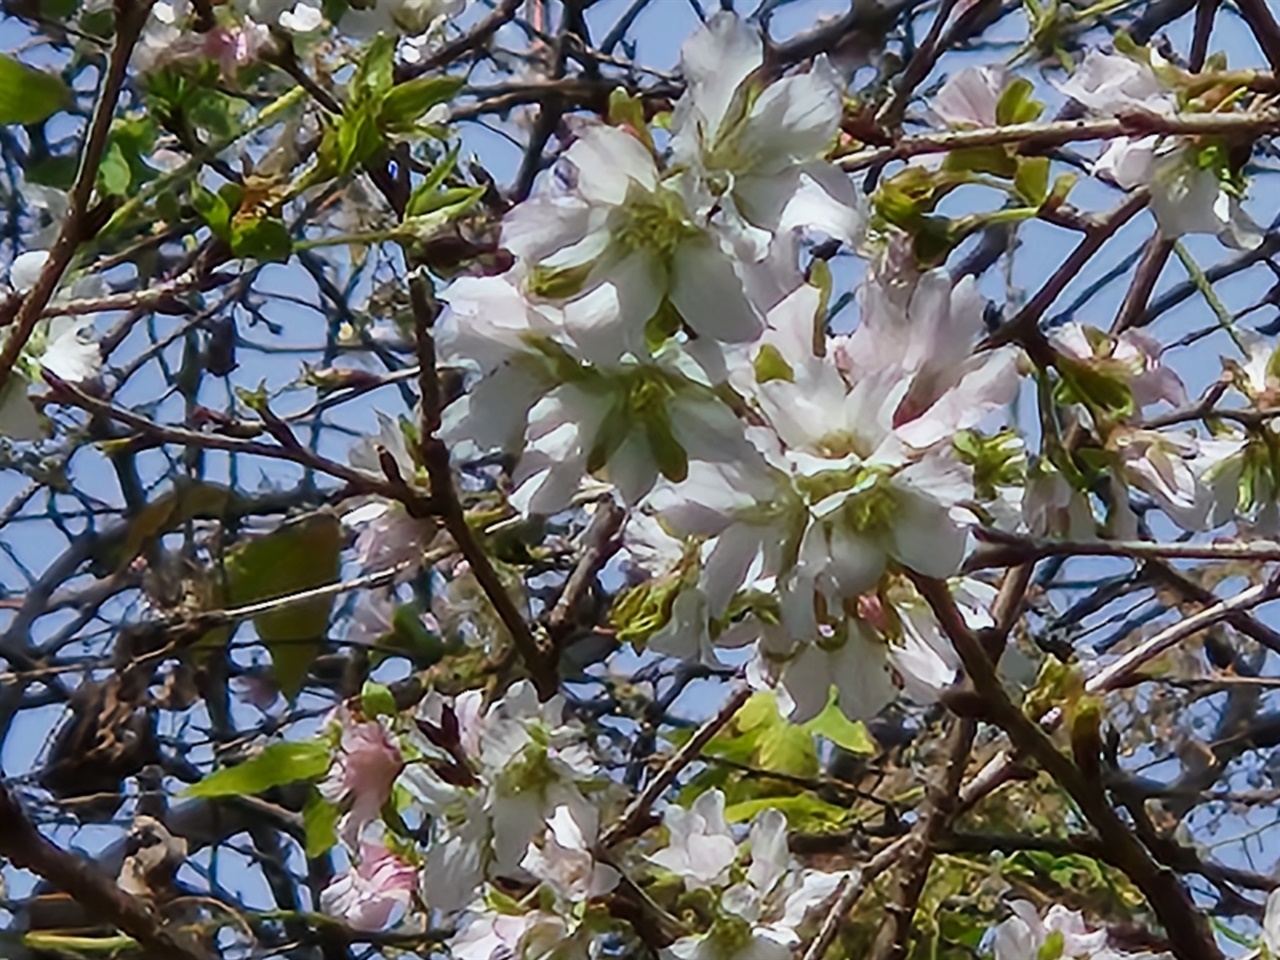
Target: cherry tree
point(584, 479)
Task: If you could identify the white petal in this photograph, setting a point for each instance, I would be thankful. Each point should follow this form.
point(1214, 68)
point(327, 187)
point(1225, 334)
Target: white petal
point(807, 678)
point(925, 538)
point(72, 353)
point(544, 224)
point(861, 673)
point(725, 569)
point(608, 160)
point(637, 285)
point(25, 269)
point(716, 60)
point(710, 295)
point(969, 98)
point(794, 119)
point(825, 201)
point(856, 561)
point(1128, 162)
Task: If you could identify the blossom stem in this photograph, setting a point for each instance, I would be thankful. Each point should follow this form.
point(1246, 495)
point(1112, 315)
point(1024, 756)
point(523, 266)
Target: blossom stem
point(435, 457)
point(1196, 274)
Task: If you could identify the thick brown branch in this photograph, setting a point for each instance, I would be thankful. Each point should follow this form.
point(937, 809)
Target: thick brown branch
point(1258, 16)
point(1188, 932)
point(27, 848)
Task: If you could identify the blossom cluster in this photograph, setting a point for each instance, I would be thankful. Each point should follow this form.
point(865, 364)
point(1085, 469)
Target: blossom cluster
point(656, 339)
point(1061, 934)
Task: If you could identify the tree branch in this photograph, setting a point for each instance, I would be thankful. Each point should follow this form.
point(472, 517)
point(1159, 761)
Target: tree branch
point(130, 17)
point(24, 845)
point(1188, 931)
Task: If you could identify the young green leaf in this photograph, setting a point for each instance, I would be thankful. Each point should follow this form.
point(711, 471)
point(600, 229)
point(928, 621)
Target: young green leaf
point(28, 95)
point(319, 825)
point(407, 102)
point(264, 238)
point(295, 558)
point(276, 765)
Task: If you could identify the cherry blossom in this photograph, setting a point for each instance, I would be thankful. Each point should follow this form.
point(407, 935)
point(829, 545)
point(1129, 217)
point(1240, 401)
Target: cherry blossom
point(754, 152)
point(65, 346)
point(616, 240)
point(700, 848)
point(369, 894)
point(1061, 933)
point(969, 98)
point(364, 768)
point(1187, 196)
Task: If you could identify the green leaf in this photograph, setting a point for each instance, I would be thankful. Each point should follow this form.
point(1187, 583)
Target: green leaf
point(1053, 946)
point(214, 210)
point(1016, 105)
point(1032, 180)
point(376, 700)
point(457, 200)
point(167, 512)
point(374, 76)
point(28, 95)
point(614, 429)
point(907, 196)
point(215, 112)
point(276, 765)
point(627, 111)
point(408, 102)
point(265, 238)
point(113, 173)
point(358, 139)
point(57, 172)
point(840, 730)
point(299, 556)
point(804, 811)
point(410, 637)
point(995, 160)
point(1104, 392)
point(786, 748)
point(935, 238)
point(1062, 185)
point(663, 325)
point(644, 609)
point(760, 710)
point(559, 283)
point(320, 825)
point(668, 454)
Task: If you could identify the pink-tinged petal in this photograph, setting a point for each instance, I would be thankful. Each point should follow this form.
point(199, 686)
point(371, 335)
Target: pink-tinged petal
point(969, 98)
point(363, 771)
point(369, 894)
point(1128, 163)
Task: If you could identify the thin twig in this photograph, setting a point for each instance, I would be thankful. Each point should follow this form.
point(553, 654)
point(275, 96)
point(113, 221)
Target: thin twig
point(130, 17)
point(634, 818)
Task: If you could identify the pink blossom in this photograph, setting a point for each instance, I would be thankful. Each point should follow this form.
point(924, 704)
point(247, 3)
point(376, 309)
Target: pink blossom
point(366, 765)
point(969, 99)
point(367, 894)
